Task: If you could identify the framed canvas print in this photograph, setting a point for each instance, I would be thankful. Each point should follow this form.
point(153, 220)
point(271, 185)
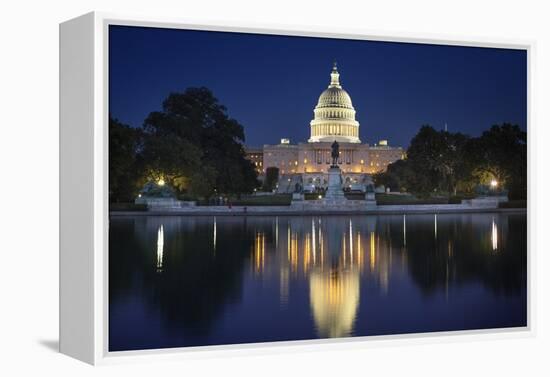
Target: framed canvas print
point(225, 187)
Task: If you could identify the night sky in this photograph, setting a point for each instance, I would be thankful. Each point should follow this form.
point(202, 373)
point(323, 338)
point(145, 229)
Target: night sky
point(271, 84)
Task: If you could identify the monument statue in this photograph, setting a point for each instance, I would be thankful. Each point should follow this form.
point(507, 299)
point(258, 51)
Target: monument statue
point(334, 193)
point(335, 153)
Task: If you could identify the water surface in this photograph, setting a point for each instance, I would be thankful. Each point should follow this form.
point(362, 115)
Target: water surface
point(188, 281)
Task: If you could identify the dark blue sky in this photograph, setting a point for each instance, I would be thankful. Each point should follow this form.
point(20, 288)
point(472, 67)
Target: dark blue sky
point(271, 84)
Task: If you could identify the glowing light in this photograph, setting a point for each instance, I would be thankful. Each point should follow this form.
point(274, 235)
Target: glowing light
point(372, 251)
point(259, 252)
point(435, 225)
point(404, 230)
point(494, 183)
point(359, 252)
point(313, 241)
point(215, 232)
point(494, 235)
point(139, 195)
point(276, 232)
point(322, 250)
point(307, 253)
point(161, 182)
point(294, 252)
point(334, 299)
point(351, 240)
point(160, 247)
point(288, 242)
point(320, 197)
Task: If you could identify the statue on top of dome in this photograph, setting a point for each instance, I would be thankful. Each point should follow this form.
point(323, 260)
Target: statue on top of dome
point(334, 77)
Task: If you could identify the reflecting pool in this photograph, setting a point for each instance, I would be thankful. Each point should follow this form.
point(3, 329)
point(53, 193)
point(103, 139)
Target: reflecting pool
point(179, 281)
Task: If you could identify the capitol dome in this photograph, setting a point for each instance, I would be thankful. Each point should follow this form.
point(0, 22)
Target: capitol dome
point(334, 115)
point(335, 97)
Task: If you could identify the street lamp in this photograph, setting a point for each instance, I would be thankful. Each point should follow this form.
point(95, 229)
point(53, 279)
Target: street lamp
point(494, 183)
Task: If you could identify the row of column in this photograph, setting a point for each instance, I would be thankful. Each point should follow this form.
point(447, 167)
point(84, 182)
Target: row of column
point(335, 129)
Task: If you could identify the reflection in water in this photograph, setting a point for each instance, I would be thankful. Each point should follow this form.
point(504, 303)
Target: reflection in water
point(215, 233)
point(160, 247)
point(259, 252)
point(334, 287)
point(284, 279)
point(494, 235)
point(435, 226)
point(372, 251)
point(237, 279)
point(334, 298)
point(330, 255)
point(405, 230)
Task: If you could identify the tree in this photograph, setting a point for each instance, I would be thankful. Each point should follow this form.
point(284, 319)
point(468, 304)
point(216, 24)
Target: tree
point(397, 176)
point(194, 146)
point(271, 178)
point(502, 152)
point(440, 159)
point(124, 170)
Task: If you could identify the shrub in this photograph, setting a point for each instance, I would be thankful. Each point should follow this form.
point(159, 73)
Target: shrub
point(513, 204)
point(131, 207)
point(455, 199)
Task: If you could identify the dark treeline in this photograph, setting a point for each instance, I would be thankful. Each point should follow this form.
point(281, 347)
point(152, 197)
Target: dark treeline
point(441, 161)
point(192, 145)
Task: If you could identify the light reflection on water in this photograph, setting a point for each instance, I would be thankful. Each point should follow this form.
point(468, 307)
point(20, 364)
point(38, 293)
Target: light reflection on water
point(494, 235)
point(248, 279)
point(160, 247)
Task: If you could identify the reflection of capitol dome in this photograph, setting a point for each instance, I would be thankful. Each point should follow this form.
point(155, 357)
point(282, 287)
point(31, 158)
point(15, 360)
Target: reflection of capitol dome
point(334, 115)
point(334, 299)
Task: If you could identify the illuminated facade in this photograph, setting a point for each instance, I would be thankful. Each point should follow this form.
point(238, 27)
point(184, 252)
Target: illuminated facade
point(307, 163)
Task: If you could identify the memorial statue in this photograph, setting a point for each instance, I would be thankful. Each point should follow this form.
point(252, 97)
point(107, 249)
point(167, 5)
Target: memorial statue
point(335, 153)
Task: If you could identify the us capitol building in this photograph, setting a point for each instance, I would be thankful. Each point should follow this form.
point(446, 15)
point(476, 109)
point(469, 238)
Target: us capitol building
point(308, 163)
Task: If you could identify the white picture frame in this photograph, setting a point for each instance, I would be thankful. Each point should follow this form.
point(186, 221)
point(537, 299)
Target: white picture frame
point(84, 213)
